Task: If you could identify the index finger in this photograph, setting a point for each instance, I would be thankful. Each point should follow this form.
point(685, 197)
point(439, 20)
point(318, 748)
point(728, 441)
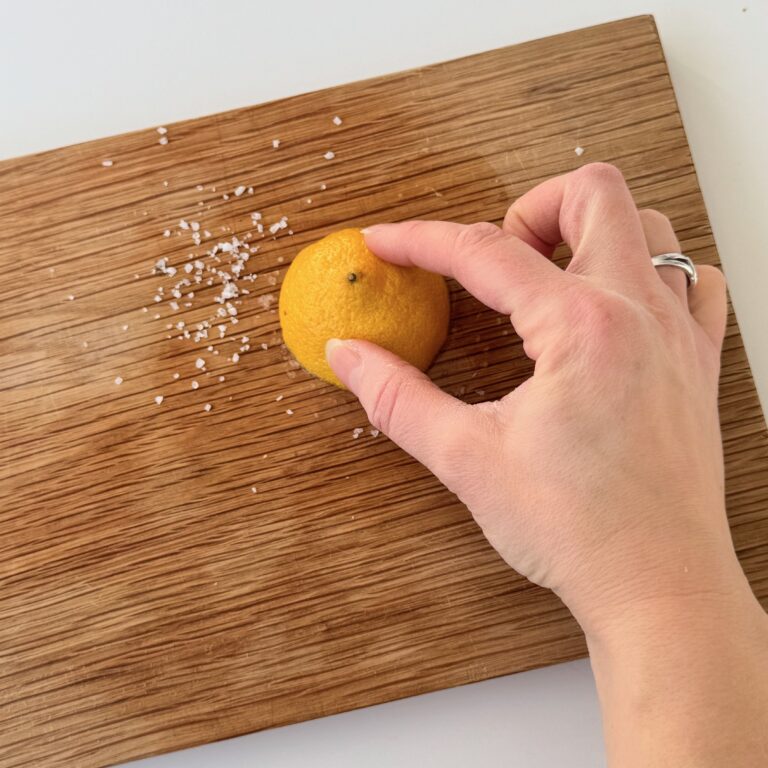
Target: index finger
point(501, 270)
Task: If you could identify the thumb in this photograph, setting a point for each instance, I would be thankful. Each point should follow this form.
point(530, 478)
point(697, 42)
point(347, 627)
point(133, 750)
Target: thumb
point(402, 402)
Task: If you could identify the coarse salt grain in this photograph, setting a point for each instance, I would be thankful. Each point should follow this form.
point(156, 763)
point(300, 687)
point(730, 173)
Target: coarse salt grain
point(195, 385)
point(337, 120)
point(107, 163)
point(235, 358)
point(329, 155)
point(278, 398)
point(162, 130)
point(199, 363)
point(176, 375)
point(253, 489)
point(289, 412)
point(239, 190)
point(195, 225)
point(163, 140)
point(375, 433)
point(356, 432)
point(167, 233)
point(207, 407)
point(221, 378)
point(159, 399)
point(275, 143)
point(579, 151)
point(118, 380)
point(323, 187)
point(183, 224)
point(71, 297)
point(125, 327)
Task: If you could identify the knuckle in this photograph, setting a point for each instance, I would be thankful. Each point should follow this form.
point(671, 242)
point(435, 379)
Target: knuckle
point(603, 174)
point(654, 218)
point(388, 400)
point(478, 236)
point(602, 317)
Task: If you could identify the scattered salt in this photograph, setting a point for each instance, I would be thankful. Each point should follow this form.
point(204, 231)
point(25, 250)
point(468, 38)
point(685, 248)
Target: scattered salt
point(199, 363)
point(289, 412)
point(239, 190)
point(253, 489)
point(167, 233)
point(207, 407)
point(195, 385)
point(337, 120)
point(107, 163)
point(118, 380)
point(71, 297)
point(221, 378)
point(176, 375)
point(125, 327)
point(356, 432)
point(375, 433)
point(579, 151)
point(278, 398)
point(275, 143)
point(329, 155)
point(235, 358)
point(162, 130)
point(159, 399)
point(163, 140)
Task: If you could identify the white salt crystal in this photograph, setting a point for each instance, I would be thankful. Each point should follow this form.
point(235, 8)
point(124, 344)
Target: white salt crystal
point(337, 120)
point(275, 143)
point(195, 385)
point(199, 363)
point(159, 399)
point(207, 407)
point(289, 412)
point(579, 151)
point(239, 190)
point(107, 163)
point(162, 130)
point(163, 140)
point(329, 155)
point(118, 380)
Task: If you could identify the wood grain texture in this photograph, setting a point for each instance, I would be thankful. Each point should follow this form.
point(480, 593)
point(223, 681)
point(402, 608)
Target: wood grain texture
point(148, 599)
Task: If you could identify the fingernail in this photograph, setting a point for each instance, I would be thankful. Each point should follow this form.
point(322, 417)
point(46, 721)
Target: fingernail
point(373, 228)
point(345, 361)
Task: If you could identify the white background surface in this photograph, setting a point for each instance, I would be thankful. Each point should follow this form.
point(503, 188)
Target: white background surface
point(75, 71)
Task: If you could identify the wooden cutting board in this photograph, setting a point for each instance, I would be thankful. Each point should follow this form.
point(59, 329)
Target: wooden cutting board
point(150, 599)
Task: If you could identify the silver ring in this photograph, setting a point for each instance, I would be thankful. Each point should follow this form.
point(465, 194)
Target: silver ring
point(679, 260)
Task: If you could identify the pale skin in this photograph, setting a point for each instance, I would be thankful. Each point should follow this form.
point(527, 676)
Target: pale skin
point(601, 477)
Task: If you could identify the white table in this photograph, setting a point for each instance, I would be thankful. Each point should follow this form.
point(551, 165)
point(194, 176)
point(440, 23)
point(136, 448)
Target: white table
point(80, 70)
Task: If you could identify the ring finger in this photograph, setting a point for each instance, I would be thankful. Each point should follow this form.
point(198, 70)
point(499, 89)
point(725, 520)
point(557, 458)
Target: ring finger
point(661, 238)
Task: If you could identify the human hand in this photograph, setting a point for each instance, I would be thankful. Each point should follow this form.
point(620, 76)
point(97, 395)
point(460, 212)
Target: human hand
point(601, 477)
